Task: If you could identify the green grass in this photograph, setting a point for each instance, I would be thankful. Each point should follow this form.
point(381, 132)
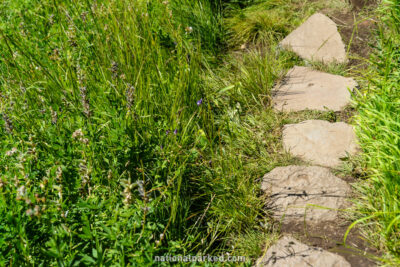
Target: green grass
point(378, 128)
point(101, 152)
point(132, 129)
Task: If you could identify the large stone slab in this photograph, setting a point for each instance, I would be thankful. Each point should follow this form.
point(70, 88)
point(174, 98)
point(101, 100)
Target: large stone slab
point(295, 189)
point(304, 88)
point(317, 39)
point(321, 142)
point(289, 252)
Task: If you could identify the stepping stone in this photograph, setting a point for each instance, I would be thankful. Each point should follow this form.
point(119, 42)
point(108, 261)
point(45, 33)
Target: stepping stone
point(292, 188)
point(289, 252)
point(317, 39)
point(321, 142)
point(304, 88)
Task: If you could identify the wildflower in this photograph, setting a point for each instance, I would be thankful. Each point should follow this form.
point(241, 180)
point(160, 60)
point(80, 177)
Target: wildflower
point(23, 89)
point(199, 102)
point(1, 183)
point(175, 131)
point(80, 74)
point(11, 152)
point(8, 124)
point(60, 195)
point(71, 35)
point(127, 193)
point(114, 69)
point(140, 188)
point(85, 173)
point(59, 174)
point(83, 16)
point(29, 212)
point(167, 132)
point(77, 133)
point(51, 19)
point(94, 8)
point(21, 192)
point(146, 209)
point(53, 116)
point(189, 29)
point(55, 54)
point(129, 95)
point(43, 183)
point(39, 199)
point(64, 215)
point(85, 101)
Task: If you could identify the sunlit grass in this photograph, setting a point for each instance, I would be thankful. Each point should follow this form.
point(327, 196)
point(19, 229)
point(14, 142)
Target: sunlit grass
point(378, 128)
point(129, 129)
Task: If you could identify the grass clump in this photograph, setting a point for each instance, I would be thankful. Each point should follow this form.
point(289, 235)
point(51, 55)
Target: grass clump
point(122, 138)
point(100, 156)
point(378, 127)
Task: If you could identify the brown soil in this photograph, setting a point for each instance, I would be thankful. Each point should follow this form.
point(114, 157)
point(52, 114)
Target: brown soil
point(357, 32)
point(329, 236)
point(359, 4)
point(345, 115)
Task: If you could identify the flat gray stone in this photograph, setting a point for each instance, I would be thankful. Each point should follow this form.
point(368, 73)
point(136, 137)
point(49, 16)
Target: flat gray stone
point(317, 39)
point(304, 88)
point(321, 142)
point(288, 252)
point(294, 189)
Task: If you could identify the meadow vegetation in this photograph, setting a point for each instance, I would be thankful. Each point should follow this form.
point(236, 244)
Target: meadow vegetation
point(378, 128)
point(132, 129)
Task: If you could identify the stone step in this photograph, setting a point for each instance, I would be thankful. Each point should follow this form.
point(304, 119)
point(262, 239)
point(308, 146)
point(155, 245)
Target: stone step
point(321, 142)
point(304, 88)
point(317, 39)
point(289, 252)
point(294, 189)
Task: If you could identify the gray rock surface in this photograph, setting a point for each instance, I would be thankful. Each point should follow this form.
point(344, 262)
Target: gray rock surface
point(288, 252)
point(304, 88)
point(317, 39)
point(294, 188)
point(321, 142)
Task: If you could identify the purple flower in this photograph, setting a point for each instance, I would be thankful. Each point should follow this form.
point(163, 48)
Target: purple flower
point(200, 101)
point(167, 132)
point(175, 131)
